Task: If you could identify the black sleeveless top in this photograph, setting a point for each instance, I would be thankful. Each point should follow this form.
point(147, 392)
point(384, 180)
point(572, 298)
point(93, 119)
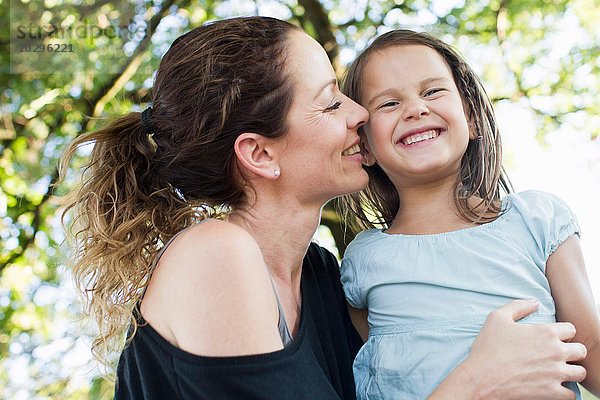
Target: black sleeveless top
point(317, 365)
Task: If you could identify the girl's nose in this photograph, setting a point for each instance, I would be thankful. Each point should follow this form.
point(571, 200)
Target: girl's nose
point(415, 109)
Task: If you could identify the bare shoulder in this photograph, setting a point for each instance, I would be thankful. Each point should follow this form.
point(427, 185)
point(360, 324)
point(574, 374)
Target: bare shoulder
point(211, 294)
point(213, 241)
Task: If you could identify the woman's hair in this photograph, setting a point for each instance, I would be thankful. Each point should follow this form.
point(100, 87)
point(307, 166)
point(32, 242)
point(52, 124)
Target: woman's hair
point(481, 172)
point(146, 181)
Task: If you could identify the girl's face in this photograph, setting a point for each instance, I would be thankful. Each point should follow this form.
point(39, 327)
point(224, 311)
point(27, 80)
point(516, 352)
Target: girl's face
point(320, 154)
point(418, 129)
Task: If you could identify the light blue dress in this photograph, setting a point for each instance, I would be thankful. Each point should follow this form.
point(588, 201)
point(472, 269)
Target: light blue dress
point(429, 295)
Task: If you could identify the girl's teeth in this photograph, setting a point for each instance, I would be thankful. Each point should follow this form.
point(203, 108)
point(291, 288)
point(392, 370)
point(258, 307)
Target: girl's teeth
point(420, 137)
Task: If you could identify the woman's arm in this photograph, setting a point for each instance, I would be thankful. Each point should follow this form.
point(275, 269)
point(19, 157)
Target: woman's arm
point(565, 270)
point(360, 321)
point(510, 361)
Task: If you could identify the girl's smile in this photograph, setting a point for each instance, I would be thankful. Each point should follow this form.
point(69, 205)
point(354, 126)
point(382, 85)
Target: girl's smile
point(420, 136)
point(418, 130)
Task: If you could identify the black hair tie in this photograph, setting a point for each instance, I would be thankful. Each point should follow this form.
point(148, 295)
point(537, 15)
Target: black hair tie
point(146, 122)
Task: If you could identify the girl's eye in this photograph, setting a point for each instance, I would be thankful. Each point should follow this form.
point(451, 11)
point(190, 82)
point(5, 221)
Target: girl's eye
point(334, 106)
point(389, 104)
point(432, 91)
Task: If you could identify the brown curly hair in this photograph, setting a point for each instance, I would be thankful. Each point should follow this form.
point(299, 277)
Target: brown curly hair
point(138, 189)
point(481, 172)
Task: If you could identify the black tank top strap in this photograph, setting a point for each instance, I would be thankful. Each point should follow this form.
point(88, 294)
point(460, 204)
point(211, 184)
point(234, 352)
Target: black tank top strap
point(282, 327)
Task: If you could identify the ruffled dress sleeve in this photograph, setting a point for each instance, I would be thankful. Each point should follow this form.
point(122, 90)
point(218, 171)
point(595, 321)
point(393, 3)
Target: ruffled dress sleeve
point(549, 219)
point(353, 269)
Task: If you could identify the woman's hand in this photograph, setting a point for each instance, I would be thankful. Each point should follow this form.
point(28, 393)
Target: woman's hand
point(513, 361)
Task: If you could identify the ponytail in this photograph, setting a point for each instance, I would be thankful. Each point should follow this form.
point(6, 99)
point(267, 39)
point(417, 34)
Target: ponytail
point(148, 178)
point(123, 213)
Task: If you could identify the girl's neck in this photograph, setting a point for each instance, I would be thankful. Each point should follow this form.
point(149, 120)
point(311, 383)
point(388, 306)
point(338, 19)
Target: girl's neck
point(428, 211)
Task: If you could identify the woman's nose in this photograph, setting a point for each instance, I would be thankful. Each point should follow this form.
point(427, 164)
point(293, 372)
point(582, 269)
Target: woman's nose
point(357, 115)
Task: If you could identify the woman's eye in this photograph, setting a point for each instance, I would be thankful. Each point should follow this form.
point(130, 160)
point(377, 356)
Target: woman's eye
point(334, 106)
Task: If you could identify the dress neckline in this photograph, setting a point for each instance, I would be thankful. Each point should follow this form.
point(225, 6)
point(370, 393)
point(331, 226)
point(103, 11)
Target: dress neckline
point(486, 225)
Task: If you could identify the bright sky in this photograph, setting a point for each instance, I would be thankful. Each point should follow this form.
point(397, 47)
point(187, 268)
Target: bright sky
point(568, 166)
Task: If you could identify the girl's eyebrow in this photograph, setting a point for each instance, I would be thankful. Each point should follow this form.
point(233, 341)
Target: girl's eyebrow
point(424, 82)
point(437, 79)
point(383, 93)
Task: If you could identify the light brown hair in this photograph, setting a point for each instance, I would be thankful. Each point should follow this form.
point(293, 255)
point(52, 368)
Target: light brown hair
point(481, 172)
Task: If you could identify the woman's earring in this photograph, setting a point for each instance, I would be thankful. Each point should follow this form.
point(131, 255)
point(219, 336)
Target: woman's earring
point(276, 172)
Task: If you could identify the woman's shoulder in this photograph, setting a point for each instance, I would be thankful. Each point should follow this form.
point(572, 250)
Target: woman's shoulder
point(213, 250)
point(213, 238)
point(210, 293)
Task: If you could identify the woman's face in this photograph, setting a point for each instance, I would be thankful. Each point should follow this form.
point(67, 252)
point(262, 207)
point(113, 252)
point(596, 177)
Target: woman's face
point(321, 157)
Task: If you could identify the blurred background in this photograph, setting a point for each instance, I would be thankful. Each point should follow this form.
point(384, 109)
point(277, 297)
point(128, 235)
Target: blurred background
point(66, 65)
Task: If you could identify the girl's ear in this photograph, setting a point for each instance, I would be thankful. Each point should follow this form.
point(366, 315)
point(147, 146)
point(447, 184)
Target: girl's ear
point(368, 158)
point(255, 154)
point(473, 134)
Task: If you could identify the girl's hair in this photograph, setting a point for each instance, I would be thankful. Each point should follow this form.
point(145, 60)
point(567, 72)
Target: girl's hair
point(139, 188)
point(481, 172)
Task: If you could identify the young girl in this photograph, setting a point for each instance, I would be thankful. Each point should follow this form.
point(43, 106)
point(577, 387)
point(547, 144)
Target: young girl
point(452, 250)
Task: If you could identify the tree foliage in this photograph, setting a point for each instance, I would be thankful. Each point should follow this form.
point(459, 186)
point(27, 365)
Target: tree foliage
point(544, 55)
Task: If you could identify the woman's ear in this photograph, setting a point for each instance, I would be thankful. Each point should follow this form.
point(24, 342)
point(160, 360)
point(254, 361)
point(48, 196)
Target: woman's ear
point(368, 158)
point(255, 154)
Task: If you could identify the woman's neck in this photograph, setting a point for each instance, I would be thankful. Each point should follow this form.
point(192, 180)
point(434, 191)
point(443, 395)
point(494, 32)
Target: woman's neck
point(283, 233)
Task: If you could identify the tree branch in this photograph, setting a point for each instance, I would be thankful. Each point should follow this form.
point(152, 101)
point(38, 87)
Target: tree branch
point(105, 94)
point(108, 92)
point(316, 14)
point(27, 240)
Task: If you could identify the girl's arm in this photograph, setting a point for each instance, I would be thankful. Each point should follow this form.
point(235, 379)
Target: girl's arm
point(359, 319)
point(511, 361)
point(565, 270)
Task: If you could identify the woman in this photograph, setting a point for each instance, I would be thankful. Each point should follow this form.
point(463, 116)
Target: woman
point(247, 117)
